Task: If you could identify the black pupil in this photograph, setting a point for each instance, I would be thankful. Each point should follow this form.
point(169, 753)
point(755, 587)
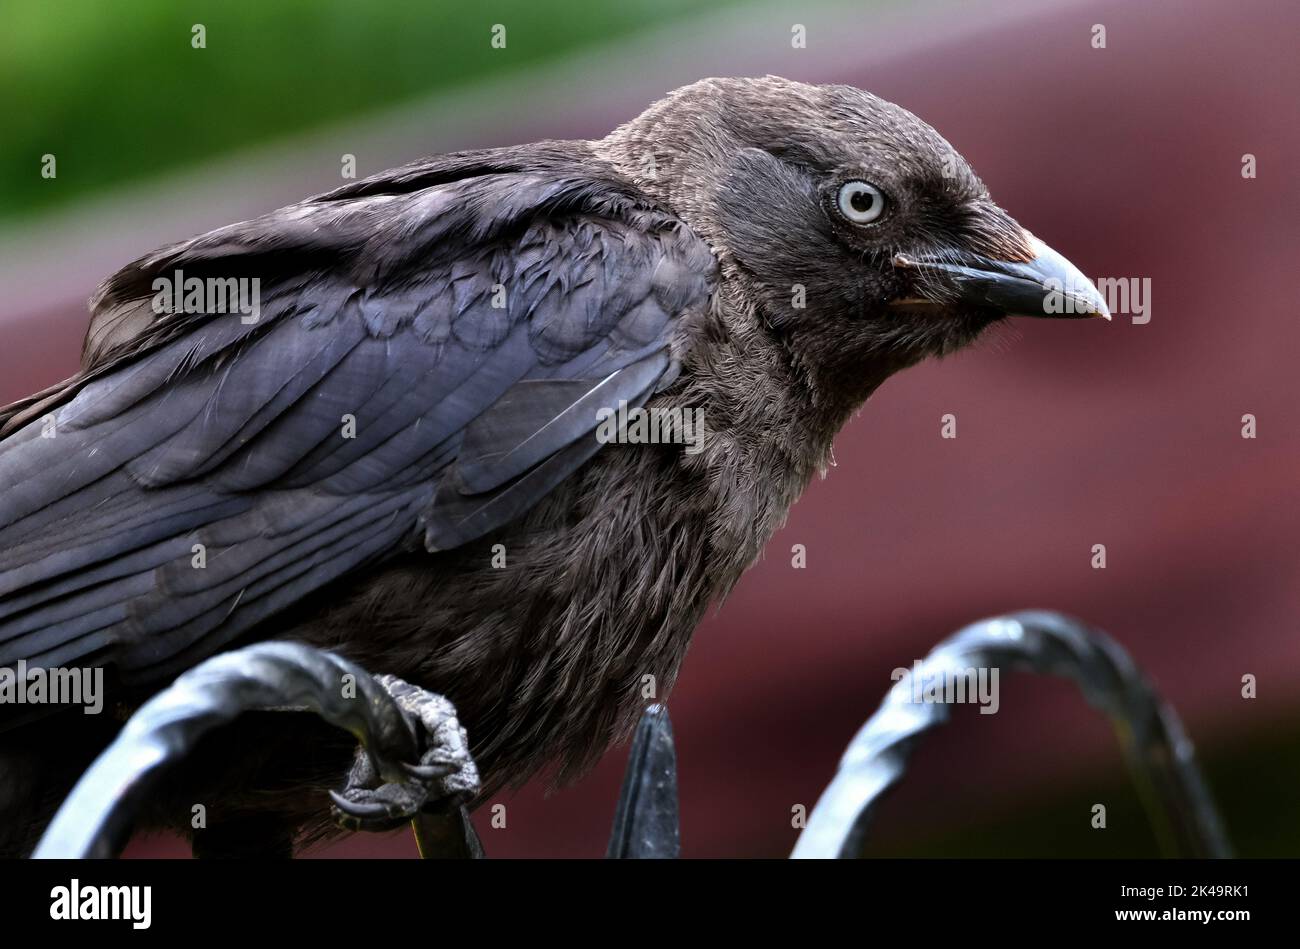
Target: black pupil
point(862, 201)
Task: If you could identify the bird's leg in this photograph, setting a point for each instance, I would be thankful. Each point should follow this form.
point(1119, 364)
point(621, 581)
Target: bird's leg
point(443, 779)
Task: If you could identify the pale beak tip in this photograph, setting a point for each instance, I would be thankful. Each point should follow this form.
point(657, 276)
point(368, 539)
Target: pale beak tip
point(1097, 302)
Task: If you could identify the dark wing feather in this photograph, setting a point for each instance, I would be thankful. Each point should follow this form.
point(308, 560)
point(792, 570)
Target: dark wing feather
point(429, 357)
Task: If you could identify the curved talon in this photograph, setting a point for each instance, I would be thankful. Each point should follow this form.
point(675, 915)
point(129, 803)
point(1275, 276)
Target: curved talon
point(361, 810)
point(443, 777)
point(428, 772)
point(341, 802)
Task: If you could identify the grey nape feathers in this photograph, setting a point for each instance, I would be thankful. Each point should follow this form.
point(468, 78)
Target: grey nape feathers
point(759, 250)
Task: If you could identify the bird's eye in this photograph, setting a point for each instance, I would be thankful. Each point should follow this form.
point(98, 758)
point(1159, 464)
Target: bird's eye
point(860, 202)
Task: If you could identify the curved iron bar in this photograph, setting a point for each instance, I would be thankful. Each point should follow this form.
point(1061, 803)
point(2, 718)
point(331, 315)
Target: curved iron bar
point(96, 818)
point(646, 825)
point(1159, 753)
point(290, 676)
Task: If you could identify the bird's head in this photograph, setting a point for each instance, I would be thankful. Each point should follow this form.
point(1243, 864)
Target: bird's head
point(859, 234)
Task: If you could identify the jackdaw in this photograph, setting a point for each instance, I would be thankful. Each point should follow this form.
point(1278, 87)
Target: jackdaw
point(397, 454)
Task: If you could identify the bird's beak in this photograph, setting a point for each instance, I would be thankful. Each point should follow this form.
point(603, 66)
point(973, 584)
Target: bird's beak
point(1047, 285)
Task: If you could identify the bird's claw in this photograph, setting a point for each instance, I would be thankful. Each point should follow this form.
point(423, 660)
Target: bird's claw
point(428, 772)
point(444, 777)
point(362, 812)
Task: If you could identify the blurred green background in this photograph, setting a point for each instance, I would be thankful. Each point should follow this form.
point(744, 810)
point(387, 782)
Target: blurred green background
point(122, 83)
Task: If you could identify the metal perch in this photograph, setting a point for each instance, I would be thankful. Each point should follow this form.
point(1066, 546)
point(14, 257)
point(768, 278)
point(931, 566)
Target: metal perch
point(1158, 751)
point(97, 817)
point(412, 742)
point(646, 823)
